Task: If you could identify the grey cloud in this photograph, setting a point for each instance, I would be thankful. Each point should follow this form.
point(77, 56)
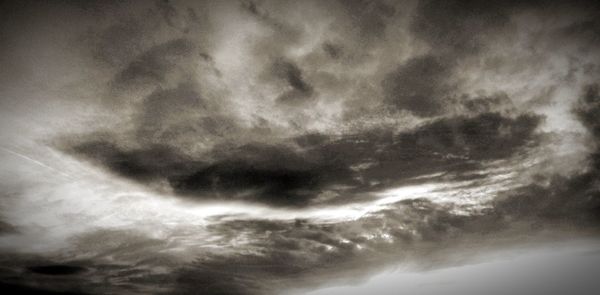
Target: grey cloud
point(370, 17)
point(286, 254)
point(586, 30)
point(6, 228)
point(105, 261)
point(119, 43)
point(455, 28)
point(282, 33)
point(181, 136)
point(280, 255)
point(279, 174)
point(271, 53)
point(95, 7)
point(167, 10)
point(499, 102)
point(57, 269)
point(141, 27)
point(150, 163)
point(276, 175)
point(175, 114)
point(454, 31)
point(587, 108)
point(20, 289)
point(333, 50)
point(36, 274)
point(459, 33)
point(420, 85)
point(291, 73)
point(292, 253)
point(152, 66)
point(411, 229)
point(571, 199)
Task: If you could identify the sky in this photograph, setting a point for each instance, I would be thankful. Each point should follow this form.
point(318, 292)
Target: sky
point(299, 147)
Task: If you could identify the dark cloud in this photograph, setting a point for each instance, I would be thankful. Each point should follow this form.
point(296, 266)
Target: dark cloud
point(333, 50)
point(94, 7)
point(499, 102)
point(152, 66)
point(167, 10)
point(20, 289)
point(248, 110)
point(119, 43)
point(410, 229)
point(420, 85)
point(287, 254)
point(586, 31)
point(280, 255)
point(105, 261)
point(33, 274)
point(6, 228)
point(57, 269)
point(150, 163)
point(272, 174)
point(455, 28)
point(571, 199)
point(291, 73)
point(454, 31)
point(281, 34)
point(462, 32)
point(587, 108)
point(370, 18)
point(279, 174)
point(462, 28)
point(181, 117)
point(173, 114)
point(142, 27)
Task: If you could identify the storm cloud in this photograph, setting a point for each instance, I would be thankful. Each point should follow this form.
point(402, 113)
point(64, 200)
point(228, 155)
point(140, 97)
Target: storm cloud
point(269, 147)
point(294, 172)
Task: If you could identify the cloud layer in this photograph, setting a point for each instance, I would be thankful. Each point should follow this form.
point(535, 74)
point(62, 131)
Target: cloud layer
point(260, 147)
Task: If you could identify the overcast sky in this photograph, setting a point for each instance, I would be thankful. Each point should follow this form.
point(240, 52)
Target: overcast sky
point(291, 147)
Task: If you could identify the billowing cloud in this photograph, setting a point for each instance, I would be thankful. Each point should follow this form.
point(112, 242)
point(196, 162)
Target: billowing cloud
point(264, 147)
point(296, 172)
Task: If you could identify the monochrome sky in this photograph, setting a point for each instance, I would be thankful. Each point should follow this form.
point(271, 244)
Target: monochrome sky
point(269, 147)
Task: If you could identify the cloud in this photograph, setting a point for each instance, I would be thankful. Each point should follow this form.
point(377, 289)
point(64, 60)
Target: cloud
point(146, 164)
point(180, 116)
point(289, 72)
point(275, 254)
point(57, 269)
point(587, 107)
point(333, 50)
point(281, 174)
point(119, 43)
point(6, 228)
point(370, 17)
point(420, 85)
point(282, 255)
point(153, 65)
point(20, 289)
point(499, 102)
point(454, 32)
point(247, 102)
point(455, 28)
point(459, 35)
point(573, 199)
point(115, 255)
